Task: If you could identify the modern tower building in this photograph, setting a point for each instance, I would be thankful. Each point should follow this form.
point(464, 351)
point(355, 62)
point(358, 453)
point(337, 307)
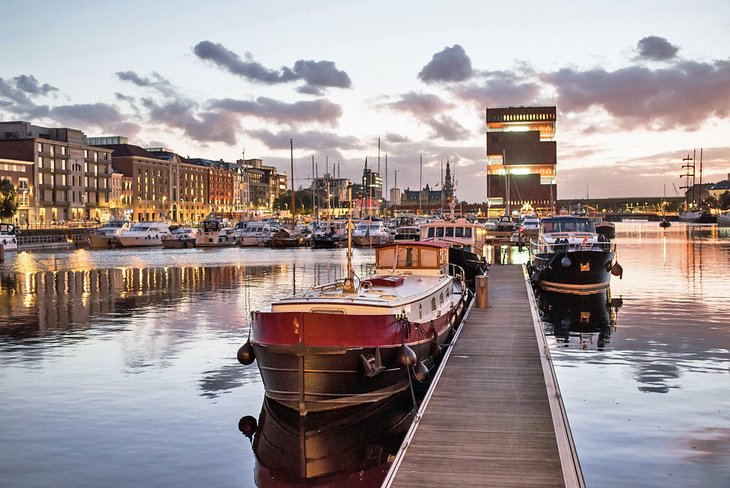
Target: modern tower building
point(521, 159)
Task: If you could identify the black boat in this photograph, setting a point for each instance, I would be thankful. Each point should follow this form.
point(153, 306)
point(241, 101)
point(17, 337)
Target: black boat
point(570, 256)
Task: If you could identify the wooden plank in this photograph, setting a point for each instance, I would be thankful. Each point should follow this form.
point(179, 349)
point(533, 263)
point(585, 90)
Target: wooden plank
point(488, 421)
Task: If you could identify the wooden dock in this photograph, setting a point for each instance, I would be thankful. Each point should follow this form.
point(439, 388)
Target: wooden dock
point(493, 417)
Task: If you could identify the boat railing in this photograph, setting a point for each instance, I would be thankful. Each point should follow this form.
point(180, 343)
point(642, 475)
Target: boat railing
point(542, 247)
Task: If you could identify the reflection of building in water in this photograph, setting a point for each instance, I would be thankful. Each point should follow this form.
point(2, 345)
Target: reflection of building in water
point(336, 448)
point(589, 319)
point(39, 303)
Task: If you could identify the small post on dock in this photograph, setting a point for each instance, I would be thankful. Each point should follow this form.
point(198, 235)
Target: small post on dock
point(482, 289)
point(2, 252)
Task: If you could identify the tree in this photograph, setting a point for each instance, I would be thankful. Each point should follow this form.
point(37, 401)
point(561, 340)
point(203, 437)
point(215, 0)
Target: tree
point(302, 200)
point(725, 200)
point(8, 199)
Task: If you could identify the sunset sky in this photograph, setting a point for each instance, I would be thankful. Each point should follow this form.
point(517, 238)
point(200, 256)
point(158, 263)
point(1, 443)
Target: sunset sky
point(637, 85)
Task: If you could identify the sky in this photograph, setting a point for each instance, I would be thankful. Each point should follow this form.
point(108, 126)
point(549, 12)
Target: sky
point(638, 85)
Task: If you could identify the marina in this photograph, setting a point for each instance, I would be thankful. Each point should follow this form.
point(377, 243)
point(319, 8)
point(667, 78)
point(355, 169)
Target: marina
point(152, 335)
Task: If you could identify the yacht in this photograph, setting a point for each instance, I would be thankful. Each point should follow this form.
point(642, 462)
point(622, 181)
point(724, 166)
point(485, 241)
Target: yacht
point(215, 233)
point(467, 244)
point(370, 232)
point(180, 238)
point(105, 237)
point(255, 233)
point(144, 234)
point(723, 219)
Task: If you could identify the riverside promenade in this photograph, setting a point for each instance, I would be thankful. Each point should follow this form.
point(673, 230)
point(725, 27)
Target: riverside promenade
point(493, 416)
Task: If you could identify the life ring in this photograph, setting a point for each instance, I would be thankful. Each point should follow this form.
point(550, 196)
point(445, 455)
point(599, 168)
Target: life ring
point(366, 286)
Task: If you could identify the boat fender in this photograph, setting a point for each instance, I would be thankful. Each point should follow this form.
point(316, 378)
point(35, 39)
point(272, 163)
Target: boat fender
point(617, 270)
point(565, 262)
point(248, 426)
point(406, 356)
point(420, 372)
point(246, 354)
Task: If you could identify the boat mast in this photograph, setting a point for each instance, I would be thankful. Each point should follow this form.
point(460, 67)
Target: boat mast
point(699, 199)
point(291, 147)
point(349, 286)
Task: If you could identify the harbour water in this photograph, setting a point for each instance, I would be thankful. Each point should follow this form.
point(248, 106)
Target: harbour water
point(117, 367)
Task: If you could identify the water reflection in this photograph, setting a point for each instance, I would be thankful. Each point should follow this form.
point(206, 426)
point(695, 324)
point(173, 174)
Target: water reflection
point(354, 447)
point(583, 320)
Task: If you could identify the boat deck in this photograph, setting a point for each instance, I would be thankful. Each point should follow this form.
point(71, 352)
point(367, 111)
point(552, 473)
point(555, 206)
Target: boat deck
point(493, 416)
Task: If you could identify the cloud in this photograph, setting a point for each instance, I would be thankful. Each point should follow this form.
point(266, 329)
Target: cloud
point(683, 95)
point(501, 88)
point(206, 126)
point(395, 138)
point(157, 82)
point(320, 110)
point(656, 48)
point(30, 85)
point(422, 105)
point(18, 92)
point(313, 140)
point(316, 74)
point(448, 128)
point(451, 64)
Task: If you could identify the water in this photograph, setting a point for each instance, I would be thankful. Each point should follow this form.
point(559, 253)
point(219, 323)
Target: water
point(117, 368)
point(648, 400)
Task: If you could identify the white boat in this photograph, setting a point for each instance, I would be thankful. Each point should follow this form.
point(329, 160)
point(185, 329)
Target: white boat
point(723, 220)
point(215, 233)
point(255, 233)
point(105, 237)
point(467, 243)
point(8, 237)
point(180, 238)
point(144, 234)
point(369, 233)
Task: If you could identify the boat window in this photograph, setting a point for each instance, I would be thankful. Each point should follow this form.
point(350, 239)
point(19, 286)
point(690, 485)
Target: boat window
point(375, 227)
point(405, 257)
point(449, 232)
point(441, 298)
point(467, 232)
point(429, 258)
point(430, 231)
point(385, 257)
point(433, 303)
point(459, 232)
point(439, 232)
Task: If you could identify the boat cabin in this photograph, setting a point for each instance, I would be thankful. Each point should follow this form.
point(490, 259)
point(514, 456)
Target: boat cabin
point(420, 258)
point(565, 224)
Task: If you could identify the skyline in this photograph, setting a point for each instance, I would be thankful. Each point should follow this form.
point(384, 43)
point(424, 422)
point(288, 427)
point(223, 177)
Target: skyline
point(632, 101)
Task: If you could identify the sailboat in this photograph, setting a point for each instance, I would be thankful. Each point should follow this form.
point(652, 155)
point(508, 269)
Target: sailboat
point(692, 212)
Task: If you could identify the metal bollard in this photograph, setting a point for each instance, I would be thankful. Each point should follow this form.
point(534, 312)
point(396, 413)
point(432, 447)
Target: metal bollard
point(482, 291)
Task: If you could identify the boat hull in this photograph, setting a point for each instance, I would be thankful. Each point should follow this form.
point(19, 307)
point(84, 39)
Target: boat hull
point(313, 362)
point(328, 242)
point(178, 243)
point(584, 272)
point(140, 241)
point(369, 241)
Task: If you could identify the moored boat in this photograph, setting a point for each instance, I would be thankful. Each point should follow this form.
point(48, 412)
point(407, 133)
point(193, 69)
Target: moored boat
point(255, 233)
point(606, 229)
point(105, 237)
point(8, 237)
point(467, 244)
point(144, 234)
point(329, 235)
point(370, 232)
point(180, 238)
point(215, 233)
point(359, 341)
point(569, 256)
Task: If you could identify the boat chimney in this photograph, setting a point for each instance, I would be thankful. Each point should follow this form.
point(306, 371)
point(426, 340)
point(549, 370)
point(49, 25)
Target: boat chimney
point(349, 286)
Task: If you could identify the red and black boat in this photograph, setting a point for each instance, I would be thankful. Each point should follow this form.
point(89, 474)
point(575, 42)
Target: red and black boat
point(358, 341)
